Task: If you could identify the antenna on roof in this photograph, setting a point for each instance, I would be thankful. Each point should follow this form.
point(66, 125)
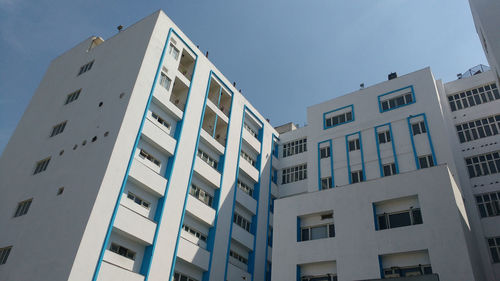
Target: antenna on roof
point(120, 27)
point(361, 86)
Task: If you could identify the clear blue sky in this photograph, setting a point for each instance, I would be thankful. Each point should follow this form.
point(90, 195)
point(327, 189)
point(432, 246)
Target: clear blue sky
point(284, 54)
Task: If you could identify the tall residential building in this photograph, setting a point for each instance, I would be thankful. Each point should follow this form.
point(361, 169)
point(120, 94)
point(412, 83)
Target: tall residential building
point(398, 179)
point(136, 160)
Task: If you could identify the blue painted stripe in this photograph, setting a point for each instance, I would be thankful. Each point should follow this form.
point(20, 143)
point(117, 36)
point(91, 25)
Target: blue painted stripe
point(431, 146)
point(319, 162)
point(146, 265)
point(375, 216)
point(298, 273)
point(361, 154)
point(131, 158)
point(338, 109)
point(174, 258)
point(381, 266)
point(331, 163)
point(392, 145)
point(391, 92)
point(273, 144)
point(298, 230)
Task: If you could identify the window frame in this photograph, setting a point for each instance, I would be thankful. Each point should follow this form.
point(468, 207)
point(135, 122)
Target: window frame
point(405, 96)
point(348, 117)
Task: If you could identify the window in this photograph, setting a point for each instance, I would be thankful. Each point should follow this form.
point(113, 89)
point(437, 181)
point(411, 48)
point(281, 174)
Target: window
point(274, 176)
point(41, 166)
point(23, 207)
point(251, 130)
point(248, 158)
point(493, 244)
point(138, 200)
point(181, 277)
point(73, 96)
point(85, 68)
point(425, 161)
point(294, 147)
point(238, 257)
point(201, 195)
point(317, 232)
point(357, 176)
point(399, 219)
point(354, 145)
point(173, 51)
point(209, 160)
point(328, 277)
point(478, 129)
point(324, 152)
point(245, 187)
point(489, 204)
point(160, 120)
point(165, 81)
point(194, 232)
point(484, 164)
point(57, 129)
point(294, 174)
point(384, 137)
point(418, 128)
point(339, 119)
point(473, 97)
point(389, 169)
point(326, 183)
point(145, 155)
point(407, 271)
point(122, 251)
point(4, 254)
point(398, 101)
point(241, 221)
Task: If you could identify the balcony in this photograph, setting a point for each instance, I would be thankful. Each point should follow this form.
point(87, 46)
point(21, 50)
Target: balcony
point(246, 201)
point(237, 270)
point(161, 97)
point(215, 126)
point(199, 210)
point(147, 178)
point(110, 271)
point(208, 139)
point(243, 237)
point(208, 173)
point(250, 170)
point(219, 97)
point(135, 225)
point(251, 141)
point(159, 137)
point(179, 94)
point(186, 65)
point(274, 190)
point(193, 254)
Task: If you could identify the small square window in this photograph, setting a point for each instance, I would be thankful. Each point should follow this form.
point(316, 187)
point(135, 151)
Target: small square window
point(4, 254)
point(41, 166)
point(23, 207)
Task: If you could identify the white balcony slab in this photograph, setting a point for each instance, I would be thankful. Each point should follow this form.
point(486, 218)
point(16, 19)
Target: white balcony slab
point(217, 111)
point(183, 78)
point(204, 170)
point(269, 253)
point(207, 139)
point(161, 139)
point(250, 170)
point(251, 141)
point(198, 209)
point(246, 201)
point(147, 178)
point(135, 225)
point(193, 254)
point(162, 98)
point(242, 236)
point(111, 272)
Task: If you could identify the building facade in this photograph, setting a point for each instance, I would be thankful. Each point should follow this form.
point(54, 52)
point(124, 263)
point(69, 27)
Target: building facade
point(145, 163)
point(138, 160)
point(398, 179)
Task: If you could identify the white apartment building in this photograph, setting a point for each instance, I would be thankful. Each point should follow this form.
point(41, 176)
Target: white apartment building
point(137, 160)
point(377, 184)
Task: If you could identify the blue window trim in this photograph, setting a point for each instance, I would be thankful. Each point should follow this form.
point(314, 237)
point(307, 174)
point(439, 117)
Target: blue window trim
point(298, 273)
point(375, 216)
point(381, 267)
point(331, 163)
point(338, 109)
point(246, 110)
point(348, 158)
point(391, 92)
point(393, 149)
point(148, 252)
point(428, 136)
point(274, 143)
